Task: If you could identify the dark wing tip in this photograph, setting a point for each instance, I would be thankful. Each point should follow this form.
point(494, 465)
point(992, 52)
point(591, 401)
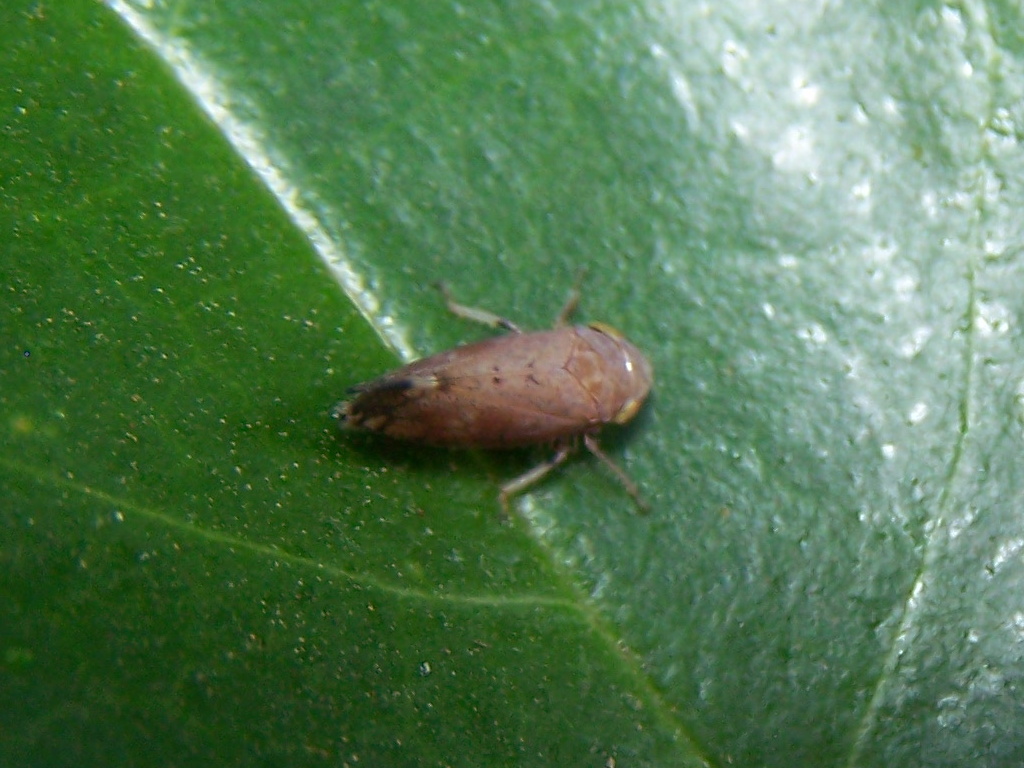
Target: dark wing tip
point(387, 383)
point(339, 411)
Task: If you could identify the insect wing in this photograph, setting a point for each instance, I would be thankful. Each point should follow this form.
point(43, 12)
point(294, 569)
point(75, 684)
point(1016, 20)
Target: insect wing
point(499, 393)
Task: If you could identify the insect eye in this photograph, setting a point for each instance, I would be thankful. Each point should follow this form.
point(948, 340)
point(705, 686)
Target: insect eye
point(628, 411)
point(607, 330)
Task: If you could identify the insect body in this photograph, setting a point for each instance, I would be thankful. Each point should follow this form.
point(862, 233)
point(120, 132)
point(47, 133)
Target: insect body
point(511, 391)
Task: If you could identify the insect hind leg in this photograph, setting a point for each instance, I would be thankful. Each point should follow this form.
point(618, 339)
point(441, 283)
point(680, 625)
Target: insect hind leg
point(497, 321)
point(532, 476)
point(477, 315)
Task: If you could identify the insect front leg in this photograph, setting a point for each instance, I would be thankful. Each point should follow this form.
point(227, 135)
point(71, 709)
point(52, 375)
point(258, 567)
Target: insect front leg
point(569, 308)
point(525, 480)
point(478, 315)
point(591, 443)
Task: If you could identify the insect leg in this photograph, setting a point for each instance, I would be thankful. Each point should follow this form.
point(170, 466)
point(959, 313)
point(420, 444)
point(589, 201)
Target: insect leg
point(591, 443)
point(572, 302)
point(472, 313)
point(525, 480)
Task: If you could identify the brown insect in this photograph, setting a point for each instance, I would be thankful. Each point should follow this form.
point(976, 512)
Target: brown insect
point(511, 391)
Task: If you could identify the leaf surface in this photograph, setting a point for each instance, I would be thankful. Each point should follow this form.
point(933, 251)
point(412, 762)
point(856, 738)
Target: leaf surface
point(222, 215)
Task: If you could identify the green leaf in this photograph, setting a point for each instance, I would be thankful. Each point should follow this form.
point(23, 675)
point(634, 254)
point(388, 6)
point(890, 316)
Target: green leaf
point(220, 216)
